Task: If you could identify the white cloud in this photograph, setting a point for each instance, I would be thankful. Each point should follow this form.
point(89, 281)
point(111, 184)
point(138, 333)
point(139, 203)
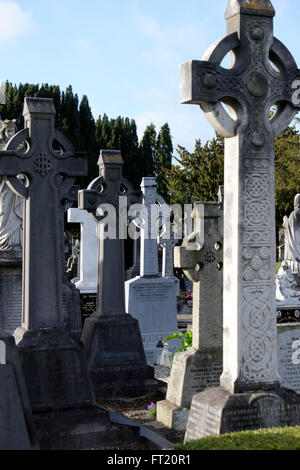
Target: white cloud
point(167, 44)
point(14, 22)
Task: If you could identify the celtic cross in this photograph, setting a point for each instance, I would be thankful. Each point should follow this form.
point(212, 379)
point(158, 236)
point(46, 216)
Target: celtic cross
point(50, 175)
point(201, 258)
point(249, 103)
point(106, 190)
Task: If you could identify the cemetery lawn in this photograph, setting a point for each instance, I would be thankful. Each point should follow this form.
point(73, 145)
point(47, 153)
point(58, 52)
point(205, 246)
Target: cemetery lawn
point(287, 438)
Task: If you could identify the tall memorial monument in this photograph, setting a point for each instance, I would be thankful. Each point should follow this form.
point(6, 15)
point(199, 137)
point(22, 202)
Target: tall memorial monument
point(112, 338)
point(262, 74)
point(54, 364)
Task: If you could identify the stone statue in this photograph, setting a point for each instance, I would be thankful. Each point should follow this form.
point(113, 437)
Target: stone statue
point(11, 205)
point(7, 131)
point(285, 285)
point(292, 237)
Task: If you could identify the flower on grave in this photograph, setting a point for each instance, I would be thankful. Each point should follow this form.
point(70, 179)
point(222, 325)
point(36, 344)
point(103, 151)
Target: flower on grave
point(152, 409)
point(186, 295)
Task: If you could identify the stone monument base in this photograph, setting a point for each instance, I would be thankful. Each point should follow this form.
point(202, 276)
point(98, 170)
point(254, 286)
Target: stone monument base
point(216, 411)
point(116, 357)
point(17, 429)
point(54, 369)
point(82, 428)
point(192, 372)
point(61, 393)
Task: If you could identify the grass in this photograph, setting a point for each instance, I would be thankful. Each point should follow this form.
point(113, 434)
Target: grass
point(287, 438)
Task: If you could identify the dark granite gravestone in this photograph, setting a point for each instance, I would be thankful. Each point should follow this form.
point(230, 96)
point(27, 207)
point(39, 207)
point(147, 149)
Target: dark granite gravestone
point(17, 429)
point(262, 74)
point(112, 338)
point(54, 364)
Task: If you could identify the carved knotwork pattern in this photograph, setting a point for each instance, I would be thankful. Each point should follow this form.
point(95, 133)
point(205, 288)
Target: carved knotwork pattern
point(259, 328)
point(42, 164)
point(256, 264)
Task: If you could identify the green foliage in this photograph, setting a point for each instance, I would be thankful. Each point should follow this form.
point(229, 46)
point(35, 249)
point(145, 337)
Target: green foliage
point(198, 175)
point(186, 340)
point(287, 438)
point(148, 151)
point(152, 408)
point(163, 161)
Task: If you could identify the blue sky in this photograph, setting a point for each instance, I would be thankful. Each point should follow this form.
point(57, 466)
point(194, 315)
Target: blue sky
point(123, 54)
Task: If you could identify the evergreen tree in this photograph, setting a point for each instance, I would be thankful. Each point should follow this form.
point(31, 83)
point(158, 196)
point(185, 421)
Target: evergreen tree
point(198, 175)
point(163, 161)
point(88, 140)
point(148, 151)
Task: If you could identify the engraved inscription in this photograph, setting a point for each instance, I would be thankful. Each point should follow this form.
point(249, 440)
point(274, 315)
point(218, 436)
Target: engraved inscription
point(288, 369)
point(152, 292)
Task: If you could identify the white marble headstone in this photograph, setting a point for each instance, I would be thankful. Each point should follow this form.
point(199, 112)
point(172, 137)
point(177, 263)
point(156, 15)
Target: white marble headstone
point(88, 250)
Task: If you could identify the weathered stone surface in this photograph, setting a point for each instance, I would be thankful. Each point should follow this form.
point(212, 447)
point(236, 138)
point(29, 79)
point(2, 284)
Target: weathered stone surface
point(117, 358)
point(201, 258)
point(249, 87)
point(10, 291)
point(17, 429)
point(83, 429)
point(217, 411)
point(54, 364)
point(112, 338)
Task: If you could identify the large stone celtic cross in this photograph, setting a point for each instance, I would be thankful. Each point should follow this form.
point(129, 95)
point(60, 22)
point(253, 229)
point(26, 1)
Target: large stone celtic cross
point(50, 164)
point(240, 102)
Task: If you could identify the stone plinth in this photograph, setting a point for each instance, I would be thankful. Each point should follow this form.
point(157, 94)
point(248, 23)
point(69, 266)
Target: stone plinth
point(116, 357)
point(17, 429)
point(192, 372)
point(216, 411)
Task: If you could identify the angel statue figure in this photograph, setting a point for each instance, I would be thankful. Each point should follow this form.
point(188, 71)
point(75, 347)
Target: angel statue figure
point(11, 205)
point(286, 285)
point(292, 237)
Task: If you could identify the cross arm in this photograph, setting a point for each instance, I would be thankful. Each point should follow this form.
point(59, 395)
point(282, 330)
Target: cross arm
point(89, 200)
point(204, 81)
point(183, 258)
point(72, 163)
point(13, 163)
